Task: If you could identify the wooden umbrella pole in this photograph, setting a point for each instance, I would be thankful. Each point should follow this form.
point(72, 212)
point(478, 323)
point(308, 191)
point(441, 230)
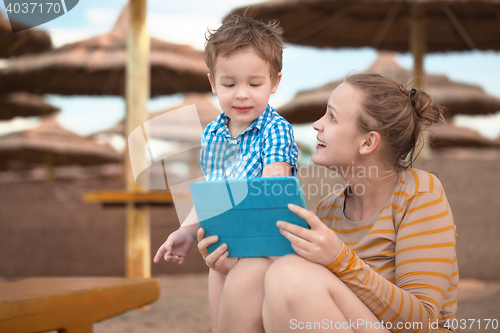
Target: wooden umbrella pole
point(138, 254)
point(418, 43)
point(49, 164)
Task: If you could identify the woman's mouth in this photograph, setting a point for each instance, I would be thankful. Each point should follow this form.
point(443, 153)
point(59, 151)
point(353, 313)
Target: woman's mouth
point(242, 109)
point(320, 145)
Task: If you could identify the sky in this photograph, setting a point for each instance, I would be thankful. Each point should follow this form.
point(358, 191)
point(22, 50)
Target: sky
point(186, 21)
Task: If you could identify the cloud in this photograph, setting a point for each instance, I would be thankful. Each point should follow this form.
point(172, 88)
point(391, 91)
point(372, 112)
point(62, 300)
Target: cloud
point(98, 16)
point(487, 125)
point(182, 29)
point(61, 36)
point(18, 124)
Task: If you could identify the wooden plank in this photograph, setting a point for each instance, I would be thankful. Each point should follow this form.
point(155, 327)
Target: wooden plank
point(121, 196)
point(77, 304)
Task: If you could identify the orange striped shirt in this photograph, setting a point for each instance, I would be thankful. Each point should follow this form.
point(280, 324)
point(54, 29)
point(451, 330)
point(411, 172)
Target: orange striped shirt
point(401, 262)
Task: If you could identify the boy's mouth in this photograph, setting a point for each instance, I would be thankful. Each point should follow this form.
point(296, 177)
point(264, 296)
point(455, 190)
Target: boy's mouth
point(242, 109)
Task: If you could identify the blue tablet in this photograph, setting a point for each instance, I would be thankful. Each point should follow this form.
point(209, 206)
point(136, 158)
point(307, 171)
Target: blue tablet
point(244, 212)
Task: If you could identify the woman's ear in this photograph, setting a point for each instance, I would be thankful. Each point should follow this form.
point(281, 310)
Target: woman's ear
point(212, 84)
point(370, 142)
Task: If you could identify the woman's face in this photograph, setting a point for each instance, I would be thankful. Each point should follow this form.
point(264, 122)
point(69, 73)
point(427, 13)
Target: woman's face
point(339, 138)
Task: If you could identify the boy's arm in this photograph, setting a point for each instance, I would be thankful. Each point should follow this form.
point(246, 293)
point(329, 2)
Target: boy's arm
point(279, 150)
point(180, 242)
point(277, 169)
point(191, 223)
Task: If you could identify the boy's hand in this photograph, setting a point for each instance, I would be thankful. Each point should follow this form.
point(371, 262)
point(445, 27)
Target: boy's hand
point(218, 259)
point(176, 247)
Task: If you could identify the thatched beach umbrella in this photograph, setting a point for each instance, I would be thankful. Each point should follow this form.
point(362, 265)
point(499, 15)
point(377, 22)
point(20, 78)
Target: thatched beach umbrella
point(447, 135)
point(180, 128)
point(52, 145)
point(418, 26)
point(96, 66)
point(22, 104)
point(207, 111)
point(458, 98)
point(24, 42)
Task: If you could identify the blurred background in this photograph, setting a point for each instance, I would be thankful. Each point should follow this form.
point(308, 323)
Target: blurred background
point(62, 135)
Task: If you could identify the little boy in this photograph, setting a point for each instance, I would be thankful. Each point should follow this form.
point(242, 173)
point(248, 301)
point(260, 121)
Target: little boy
point(244, 58)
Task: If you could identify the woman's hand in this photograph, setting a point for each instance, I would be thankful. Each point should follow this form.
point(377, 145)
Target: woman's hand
point(218, 260)
point(319, 244)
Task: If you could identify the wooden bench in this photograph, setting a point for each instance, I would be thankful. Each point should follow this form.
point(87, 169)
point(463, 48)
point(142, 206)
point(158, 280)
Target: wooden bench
point(121, 197)
point(70, 305)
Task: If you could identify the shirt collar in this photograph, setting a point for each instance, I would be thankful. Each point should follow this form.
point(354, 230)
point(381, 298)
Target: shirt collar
point(219, 122)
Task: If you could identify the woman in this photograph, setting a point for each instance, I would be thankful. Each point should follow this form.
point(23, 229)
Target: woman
point(380, 254)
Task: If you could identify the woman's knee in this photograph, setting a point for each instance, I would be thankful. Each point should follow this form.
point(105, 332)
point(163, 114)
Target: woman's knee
point(287, 277)
point(291, 276)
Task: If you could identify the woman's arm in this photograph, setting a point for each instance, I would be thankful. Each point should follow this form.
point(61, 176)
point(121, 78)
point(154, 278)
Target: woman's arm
point(424, 261)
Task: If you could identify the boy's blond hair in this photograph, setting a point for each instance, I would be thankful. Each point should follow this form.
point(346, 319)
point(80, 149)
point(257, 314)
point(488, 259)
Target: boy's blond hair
point(237, 32)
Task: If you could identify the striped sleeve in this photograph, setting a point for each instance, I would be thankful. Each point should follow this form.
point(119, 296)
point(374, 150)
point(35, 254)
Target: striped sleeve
point(424, 255)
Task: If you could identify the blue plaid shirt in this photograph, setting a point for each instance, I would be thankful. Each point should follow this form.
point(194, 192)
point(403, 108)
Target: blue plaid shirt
point(267, 140)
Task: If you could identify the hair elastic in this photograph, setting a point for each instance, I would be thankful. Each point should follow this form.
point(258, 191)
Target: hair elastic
point(412, 96)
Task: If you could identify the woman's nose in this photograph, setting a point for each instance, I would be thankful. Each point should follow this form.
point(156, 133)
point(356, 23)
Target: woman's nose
point(317, 125)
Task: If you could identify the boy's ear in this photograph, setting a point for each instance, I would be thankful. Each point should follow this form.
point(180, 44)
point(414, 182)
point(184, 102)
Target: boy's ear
point(212, 84)
point(369, 142)
point(277, 83)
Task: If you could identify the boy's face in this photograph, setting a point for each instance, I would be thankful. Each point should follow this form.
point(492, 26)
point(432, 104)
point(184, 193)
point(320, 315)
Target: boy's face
point(242, 83)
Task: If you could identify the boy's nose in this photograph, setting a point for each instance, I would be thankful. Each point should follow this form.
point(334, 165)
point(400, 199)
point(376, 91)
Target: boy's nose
point(241, 93)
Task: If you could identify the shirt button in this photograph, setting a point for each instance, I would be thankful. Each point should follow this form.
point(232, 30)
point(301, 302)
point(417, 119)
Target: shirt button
point(245, 158)
point(234, 141)
point(228, 173)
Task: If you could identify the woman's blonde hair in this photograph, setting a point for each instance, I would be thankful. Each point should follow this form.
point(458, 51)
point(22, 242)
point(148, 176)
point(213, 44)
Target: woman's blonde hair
point(398, 114)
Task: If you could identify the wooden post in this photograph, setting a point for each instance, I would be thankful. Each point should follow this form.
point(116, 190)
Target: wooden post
point(138, 254)
point(49, 165)
point(418, 43)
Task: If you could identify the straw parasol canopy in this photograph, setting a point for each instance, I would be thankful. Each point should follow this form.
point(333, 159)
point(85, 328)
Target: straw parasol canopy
point(96, 66)
point(383, 24)
point(24, 42)
point(446, 136)
point(181, 129)
point(418, 26)
point(52, 145)
point(458, 98)
point(22, 104)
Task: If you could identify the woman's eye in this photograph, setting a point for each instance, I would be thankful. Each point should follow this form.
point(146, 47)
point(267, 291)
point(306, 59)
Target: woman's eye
point(330, 115)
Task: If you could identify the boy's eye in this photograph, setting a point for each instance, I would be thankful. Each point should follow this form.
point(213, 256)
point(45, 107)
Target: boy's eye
point(228, 85)
point(255, 84)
